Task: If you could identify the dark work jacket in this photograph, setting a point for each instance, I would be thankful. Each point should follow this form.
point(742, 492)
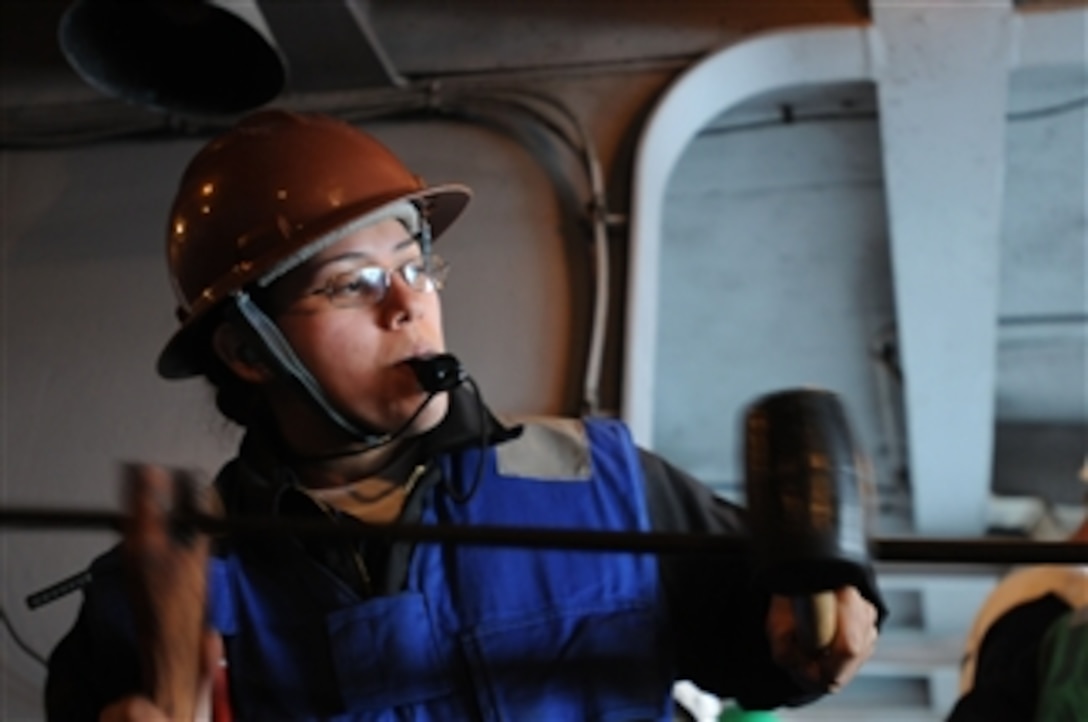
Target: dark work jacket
point(591, 634)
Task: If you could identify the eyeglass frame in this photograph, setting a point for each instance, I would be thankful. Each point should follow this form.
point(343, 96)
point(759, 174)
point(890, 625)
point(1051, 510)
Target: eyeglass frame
point(431, 268)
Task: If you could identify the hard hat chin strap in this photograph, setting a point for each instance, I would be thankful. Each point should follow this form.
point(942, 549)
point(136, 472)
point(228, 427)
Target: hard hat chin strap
point(244, 310)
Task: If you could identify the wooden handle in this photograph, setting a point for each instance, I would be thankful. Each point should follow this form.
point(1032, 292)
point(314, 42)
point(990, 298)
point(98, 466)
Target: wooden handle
point(817, 619)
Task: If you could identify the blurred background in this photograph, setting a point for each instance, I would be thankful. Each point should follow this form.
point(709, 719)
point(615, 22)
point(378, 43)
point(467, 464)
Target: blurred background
point(679, 207)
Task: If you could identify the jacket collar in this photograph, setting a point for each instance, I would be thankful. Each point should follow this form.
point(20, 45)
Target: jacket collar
point(261, 482)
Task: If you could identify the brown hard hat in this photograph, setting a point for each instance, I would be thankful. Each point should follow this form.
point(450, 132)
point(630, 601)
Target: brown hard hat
point(258, 199)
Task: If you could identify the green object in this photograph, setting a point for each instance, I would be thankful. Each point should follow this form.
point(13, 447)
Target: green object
point(1063, 669)
point(736, 714)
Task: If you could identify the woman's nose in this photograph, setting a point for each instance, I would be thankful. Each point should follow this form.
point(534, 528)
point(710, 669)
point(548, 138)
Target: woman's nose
point(402, 303)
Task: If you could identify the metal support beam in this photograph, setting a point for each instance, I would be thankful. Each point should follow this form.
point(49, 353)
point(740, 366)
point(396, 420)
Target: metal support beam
point(942, 72)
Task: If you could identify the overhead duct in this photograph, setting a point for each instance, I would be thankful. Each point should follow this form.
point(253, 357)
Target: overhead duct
point(329, 45)
point(183, 56)
point(213, 57)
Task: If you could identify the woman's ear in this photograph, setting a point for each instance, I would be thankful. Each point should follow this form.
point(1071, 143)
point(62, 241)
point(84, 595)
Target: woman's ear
point(238, 353)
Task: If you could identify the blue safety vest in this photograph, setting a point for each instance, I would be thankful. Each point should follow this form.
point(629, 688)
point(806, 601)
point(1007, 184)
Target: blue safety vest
point(488, 633)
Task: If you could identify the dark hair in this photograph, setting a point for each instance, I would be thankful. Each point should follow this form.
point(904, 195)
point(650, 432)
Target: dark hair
point(238, 400)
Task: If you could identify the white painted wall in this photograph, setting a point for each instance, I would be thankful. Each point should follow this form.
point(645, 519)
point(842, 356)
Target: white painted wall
point(775, 271)
point(773, 274)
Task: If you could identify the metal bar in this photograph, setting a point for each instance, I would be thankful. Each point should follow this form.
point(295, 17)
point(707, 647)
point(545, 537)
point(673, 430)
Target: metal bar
point(906, 549)
point(979, 550)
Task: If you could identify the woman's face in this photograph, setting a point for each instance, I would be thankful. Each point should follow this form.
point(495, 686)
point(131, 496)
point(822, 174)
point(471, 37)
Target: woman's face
point(355, 349)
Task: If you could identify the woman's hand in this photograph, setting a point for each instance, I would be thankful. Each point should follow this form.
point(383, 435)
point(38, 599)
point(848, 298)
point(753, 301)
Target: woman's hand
point(133, 709)
point(831, 667)
point(212, 703)
point(166, 564)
